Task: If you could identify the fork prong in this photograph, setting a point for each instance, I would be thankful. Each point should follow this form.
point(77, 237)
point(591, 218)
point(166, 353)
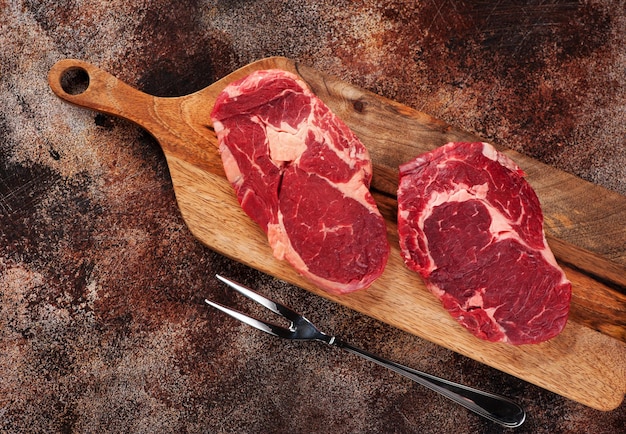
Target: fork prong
point(275, 307)
point(267, 327)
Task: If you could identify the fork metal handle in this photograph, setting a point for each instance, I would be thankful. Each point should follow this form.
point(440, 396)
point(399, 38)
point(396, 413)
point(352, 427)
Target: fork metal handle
point(494, 407)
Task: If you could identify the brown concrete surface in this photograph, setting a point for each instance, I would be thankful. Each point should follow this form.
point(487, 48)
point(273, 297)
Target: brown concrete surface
point(102, 327)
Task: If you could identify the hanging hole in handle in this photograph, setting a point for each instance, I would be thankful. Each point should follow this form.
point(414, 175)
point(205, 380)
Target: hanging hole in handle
point(75, 81)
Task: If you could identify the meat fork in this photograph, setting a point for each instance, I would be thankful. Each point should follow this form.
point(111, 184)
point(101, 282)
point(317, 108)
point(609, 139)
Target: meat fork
point(494, 407)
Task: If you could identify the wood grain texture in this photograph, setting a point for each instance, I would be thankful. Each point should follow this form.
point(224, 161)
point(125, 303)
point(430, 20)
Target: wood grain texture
point(586, 363)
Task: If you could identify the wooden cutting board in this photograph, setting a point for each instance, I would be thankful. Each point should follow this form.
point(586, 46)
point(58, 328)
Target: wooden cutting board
point(584, 223)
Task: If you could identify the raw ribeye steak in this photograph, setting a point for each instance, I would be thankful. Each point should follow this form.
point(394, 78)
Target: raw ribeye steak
point(472, 226)
point(303, 176)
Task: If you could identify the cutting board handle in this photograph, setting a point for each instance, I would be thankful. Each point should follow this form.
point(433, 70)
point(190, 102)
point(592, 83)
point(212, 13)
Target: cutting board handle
point(86, 85)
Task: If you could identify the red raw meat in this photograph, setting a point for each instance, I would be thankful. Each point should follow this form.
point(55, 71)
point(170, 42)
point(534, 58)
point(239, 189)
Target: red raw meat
point(472, 226)
point(303, 176)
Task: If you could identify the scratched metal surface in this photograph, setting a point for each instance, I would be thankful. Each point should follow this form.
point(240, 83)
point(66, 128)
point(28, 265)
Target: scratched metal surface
point(101, 323)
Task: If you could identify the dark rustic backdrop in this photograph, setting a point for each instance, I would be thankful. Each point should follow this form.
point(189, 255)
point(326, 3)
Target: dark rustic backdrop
point(102, 328)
